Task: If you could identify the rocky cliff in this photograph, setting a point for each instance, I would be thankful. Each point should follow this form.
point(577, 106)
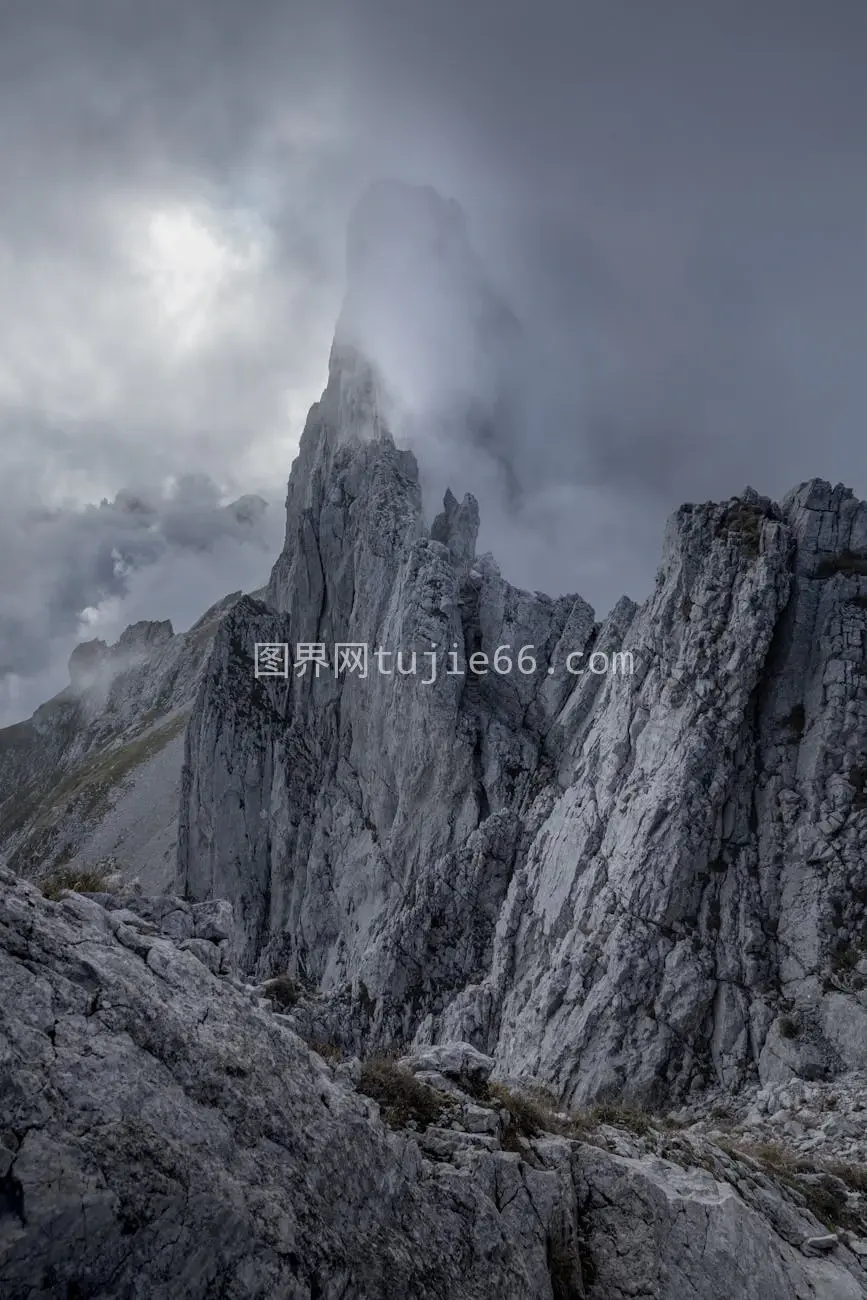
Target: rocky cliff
point(599, 884)
point(640, 881)
point(165, 1133)
point(91, 783)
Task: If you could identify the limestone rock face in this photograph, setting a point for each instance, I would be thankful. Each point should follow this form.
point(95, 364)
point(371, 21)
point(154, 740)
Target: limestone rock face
point(622, 857)
point(625, 880)
point(467, 842)
point(165, 1133)
point(163, 1137)
point(391, 800)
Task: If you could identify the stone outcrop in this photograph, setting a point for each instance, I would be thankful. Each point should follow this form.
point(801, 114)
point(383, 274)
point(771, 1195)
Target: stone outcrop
point(622, 882)
point(164, 1132)
point(627, 882)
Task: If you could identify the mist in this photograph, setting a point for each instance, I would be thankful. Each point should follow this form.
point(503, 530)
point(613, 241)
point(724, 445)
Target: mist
point(87, 573)
point(659, 292)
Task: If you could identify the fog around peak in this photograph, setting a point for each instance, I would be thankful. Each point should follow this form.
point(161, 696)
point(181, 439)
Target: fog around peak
point(664, 210)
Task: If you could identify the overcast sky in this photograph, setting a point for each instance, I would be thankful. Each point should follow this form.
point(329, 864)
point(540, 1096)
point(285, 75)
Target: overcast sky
point(671, 196)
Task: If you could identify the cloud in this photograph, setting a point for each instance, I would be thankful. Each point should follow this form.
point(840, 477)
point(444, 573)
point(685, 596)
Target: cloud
point(88, 572)
point(670, 198)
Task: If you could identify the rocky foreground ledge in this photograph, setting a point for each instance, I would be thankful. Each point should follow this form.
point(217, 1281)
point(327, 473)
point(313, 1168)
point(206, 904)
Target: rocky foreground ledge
point(165, 1132)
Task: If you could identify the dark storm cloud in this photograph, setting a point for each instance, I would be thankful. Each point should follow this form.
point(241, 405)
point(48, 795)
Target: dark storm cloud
point(671, 197)
point(692, 186)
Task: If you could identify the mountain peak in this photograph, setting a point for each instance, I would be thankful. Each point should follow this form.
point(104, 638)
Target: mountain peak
point(247, 509)
point(421, 315)
point(85, 662)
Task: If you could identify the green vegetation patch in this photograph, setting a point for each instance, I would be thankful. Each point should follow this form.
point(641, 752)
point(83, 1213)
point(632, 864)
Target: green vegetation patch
point(86, 789)
point(82, 881)
point(832, 1190)
point(743, 522)
point(402, 1097)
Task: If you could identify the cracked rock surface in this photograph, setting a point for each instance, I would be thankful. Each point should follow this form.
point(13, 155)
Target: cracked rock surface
point(165, 1133)
point(171, 1139)
point(462, 877)
point(629, 883)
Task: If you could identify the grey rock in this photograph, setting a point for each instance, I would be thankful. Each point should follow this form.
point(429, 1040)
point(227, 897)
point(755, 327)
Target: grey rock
point(171, 1139)
point(213, 920)
point(459, 1061)
point(655, 1230)
point(480, 1119)
point(92, 781)
point(123, 916)
point(445, 1144)
point(616, 882)
point(207, 953)
point(161, 1136)
point(645, 884)
point(441, 1083)
point(818, 1245)
point(349, 1071)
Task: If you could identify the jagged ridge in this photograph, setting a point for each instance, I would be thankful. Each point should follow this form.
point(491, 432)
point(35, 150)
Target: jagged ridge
point(617, 884)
